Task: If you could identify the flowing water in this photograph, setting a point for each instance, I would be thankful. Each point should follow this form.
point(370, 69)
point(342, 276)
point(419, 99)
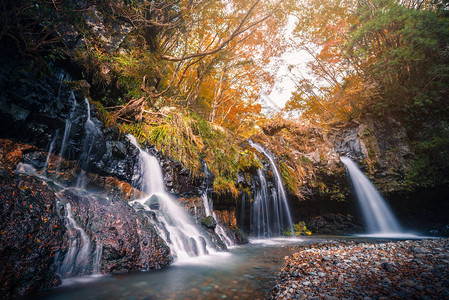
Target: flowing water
point(173, 223)
point(243, 272)
point(379, 218)
point(270, 213)
point(208, 207)
point(91, 134)
point(68, 127)
point(76, 260)
point(50, 149)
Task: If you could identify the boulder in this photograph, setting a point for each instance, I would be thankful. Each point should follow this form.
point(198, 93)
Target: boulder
point(333, 224)
point(31, 234)
point(209, 222)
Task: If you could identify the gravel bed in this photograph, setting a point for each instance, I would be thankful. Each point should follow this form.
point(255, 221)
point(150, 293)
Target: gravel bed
point(417, 269)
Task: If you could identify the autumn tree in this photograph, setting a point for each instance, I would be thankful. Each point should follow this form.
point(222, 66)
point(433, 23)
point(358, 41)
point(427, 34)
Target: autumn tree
point(387, 57)
point(216, 66)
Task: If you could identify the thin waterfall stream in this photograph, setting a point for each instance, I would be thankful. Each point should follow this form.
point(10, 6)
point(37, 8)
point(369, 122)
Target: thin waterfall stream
point(209, 210)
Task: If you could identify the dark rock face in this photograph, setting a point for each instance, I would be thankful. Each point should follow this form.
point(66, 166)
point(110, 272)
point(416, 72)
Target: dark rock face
point(38, 110)
point(31, 234)
point(333, 224)
point(380, 145)
point(180, 181)
point(31, 231)
point(34, 232)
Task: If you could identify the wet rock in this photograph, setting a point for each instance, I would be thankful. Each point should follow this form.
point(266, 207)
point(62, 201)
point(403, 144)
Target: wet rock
point(389, 267)
point(332, 224)
point(153, 202)
point(31, 233)
point(128, 239)
point(419, 250)
point(209, 222)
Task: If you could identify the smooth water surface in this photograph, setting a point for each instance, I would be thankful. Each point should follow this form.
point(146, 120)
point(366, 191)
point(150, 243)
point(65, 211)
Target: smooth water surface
point(243, 272)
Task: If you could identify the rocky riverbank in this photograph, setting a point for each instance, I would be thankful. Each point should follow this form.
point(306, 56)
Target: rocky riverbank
point(364, 270)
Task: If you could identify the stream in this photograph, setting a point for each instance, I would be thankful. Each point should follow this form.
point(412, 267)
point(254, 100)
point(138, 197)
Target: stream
point(243, 272)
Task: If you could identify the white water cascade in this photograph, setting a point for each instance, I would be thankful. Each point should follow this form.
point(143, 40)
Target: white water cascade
point(76, 260)
point(208, 207)
point(270, 215)
point(67, 128)
point(379, 218)
point(91, 133)
point(173, 223)
point(50, 149)
point(209, 210)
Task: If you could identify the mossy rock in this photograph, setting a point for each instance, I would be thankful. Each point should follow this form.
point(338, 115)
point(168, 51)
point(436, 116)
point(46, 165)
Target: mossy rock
point(209, 222)
point(81, 88)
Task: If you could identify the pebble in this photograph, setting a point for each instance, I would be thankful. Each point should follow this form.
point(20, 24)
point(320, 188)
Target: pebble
point(361, 270)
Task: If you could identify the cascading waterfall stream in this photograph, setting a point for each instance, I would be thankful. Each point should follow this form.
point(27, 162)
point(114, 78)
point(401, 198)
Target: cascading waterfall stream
point(76, 260)
point(270, 215)
point(209, 210)
point(260, 214)
point(79, 259)
point(91, 133)
point(82, 258)
point(173, 223)
point(379, 218)
point(208, 207)
point(50, 149)
point(67, 128)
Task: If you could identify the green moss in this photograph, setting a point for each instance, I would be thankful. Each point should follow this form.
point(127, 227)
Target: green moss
point(209, 222)
point(431, 166)
point(371, 152)
point(305, 160)
point(299, 229)
point(289, 177)
point(188, 138)
point(104, 115)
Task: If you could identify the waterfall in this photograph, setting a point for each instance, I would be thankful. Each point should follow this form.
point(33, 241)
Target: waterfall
point(76, 260)
point(91, 133)
point(209, 211)
point(172, 222)
point(270, 213)
point(50, 149)
point(68, 127)
point(97, 258)
point(260, 210)
point(378, 216)
point(208, 207)
point(62, 76)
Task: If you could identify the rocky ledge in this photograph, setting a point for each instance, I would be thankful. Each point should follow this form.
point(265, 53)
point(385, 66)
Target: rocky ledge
point(351, 270)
